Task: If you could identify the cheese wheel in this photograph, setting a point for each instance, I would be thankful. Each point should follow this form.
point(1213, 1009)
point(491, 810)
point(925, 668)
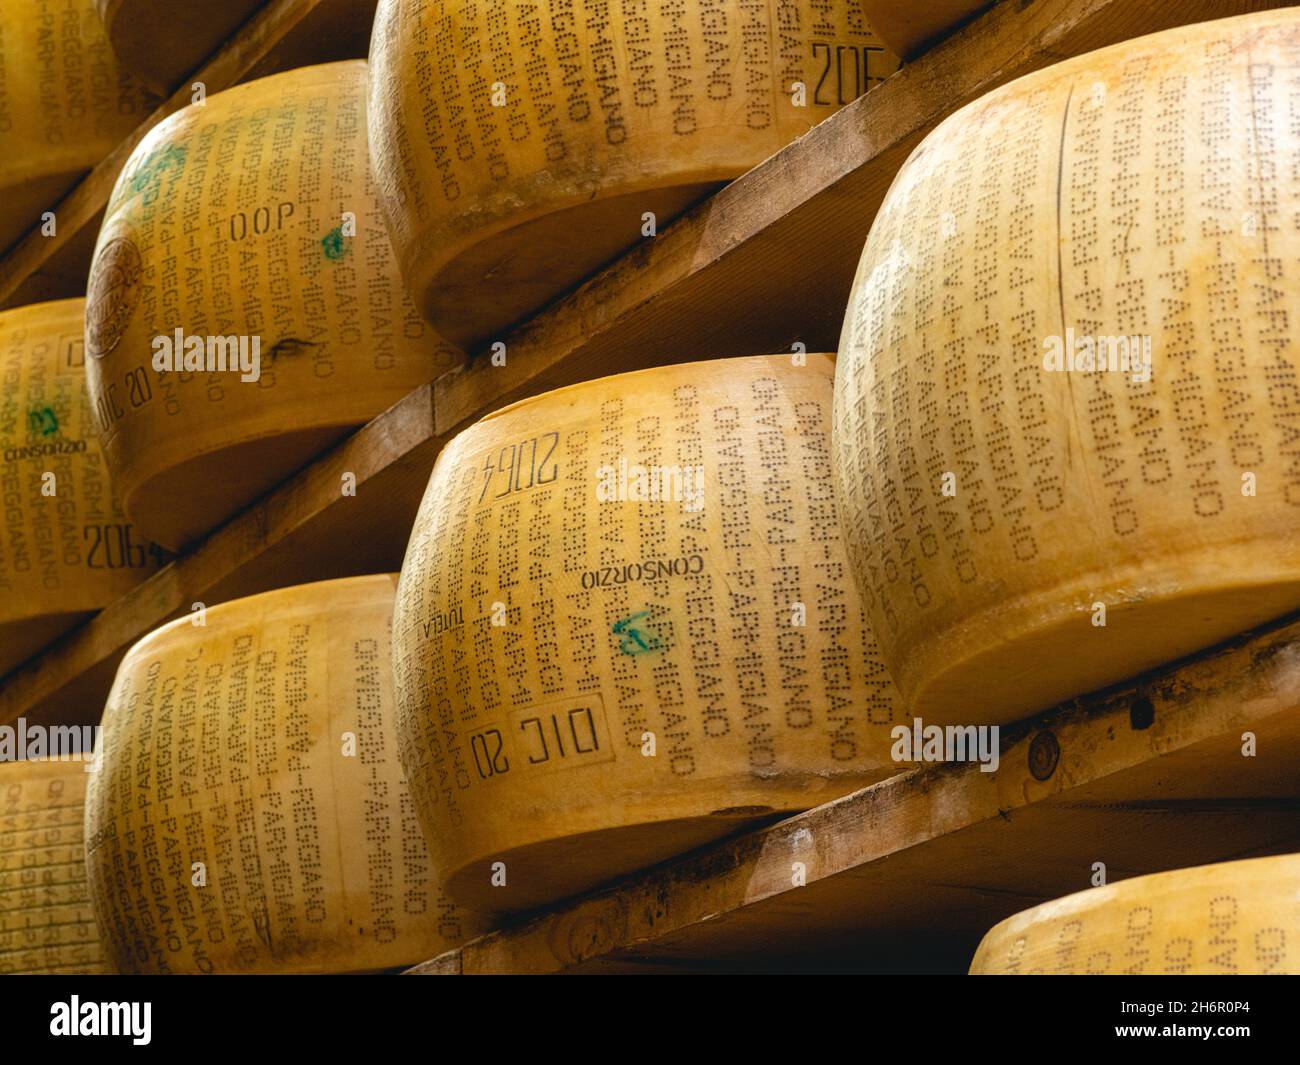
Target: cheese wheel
point(160, 41)
point(249, 813)
point(46, 923)
point(66, 548)
point(64, 105)
point(519, 147)
point(250, 223)
point(625, 627)
point(1025, 528)
point(1234, 918)
point(908, 28)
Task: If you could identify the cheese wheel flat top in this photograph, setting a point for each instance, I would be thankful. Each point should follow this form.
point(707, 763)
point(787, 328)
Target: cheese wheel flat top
point(66, 548)
point(160, 41)
point(46, 923)
point(1067, 414)
point(249, 813)
point(64, 105)
point(245, 226)
point(908, 27)
point(518, 147)
point(626, 627)
point(1234, 918)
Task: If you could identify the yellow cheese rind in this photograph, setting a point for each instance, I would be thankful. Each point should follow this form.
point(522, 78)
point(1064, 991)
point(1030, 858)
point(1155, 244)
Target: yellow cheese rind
point(46, 923)
point(65, 103)
point(66, 548)
point(256, 752)
point(599, 666)
point(520, 147)
point(1234, 918)
point(160, 41)
point(251, 216)
point(1023, 534)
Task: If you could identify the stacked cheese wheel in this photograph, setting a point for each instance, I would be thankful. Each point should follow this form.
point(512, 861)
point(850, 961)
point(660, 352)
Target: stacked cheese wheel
point(518, 149)
point(66, 549)
point(244, 308)
point(160, 41)
point(1067, 413)
point(626, 627)
point(46, 923)
point(1236, 918)
point(64, 105)
point(249, 813)
point(909, 27)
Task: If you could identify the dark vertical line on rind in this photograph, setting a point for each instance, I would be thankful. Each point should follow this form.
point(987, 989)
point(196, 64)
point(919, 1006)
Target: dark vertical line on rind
point(1060, 190)
point(1060, 275)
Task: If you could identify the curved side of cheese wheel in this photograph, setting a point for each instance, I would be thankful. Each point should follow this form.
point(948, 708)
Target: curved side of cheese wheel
point(625, 627)
point(251, 218)
point(64, 104)
point(160, 41)
point(1024, 533)
point(66, 548)
point(1234, 918)
point(253, 757)
point(520, 148)
point(46, 923)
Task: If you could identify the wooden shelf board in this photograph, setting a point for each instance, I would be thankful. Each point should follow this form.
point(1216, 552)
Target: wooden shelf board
point(909, 873)
point(284, 34)
point(766, 261)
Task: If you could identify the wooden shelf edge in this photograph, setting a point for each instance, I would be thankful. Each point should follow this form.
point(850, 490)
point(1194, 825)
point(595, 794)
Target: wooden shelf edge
point(1245, 684)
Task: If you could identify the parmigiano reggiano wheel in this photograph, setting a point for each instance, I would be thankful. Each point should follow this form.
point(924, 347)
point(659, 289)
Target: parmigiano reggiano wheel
point(250, 814)
point(520, 147)
point(1235, 918)
point(251, 218)
point(160, 41)
point(625, 627)
point(66, 548)
point(1025, 532)
point(64, 105)
point(908, 27)
point(46, 923)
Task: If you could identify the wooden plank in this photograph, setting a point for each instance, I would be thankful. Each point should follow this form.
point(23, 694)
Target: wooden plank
point(767, 261)
point(286, 33)
point(912, 871)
